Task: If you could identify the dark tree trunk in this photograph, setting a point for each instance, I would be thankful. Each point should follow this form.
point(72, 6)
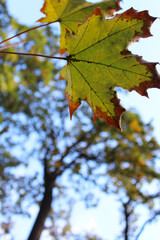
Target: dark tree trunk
point(126, 228)
point(127, 216)
point(44, 210)
point(49, 183)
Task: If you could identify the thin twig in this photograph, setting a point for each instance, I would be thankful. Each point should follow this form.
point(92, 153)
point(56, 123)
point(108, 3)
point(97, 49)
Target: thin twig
point(33, 55)
point(147, 222)
point(11, 45)
point(28, 30)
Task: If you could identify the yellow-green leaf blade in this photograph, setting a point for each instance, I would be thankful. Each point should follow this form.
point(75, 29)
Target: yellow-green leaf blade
point(99, 61)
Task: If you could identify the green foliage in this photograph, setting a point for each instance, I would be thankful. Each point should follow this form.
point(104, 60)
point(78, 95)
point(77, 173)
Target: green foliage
point(16, 71)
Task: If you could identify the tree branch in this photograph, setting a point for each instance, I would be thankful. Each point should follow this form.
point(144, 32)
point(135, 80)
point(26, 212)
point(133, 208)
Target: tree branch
point(127, 214)
point(45, 204)
point(147, 222)
point(28, 30)
point(33, 55)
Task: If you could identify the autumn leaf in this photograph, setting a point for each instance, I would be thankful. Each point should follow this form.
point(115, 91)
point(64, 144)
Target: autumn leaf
point(70, 13)
point(99, 61)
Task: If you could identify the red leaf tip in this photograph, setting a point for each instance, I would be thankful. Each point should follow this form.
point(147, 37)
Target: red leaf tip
point(42, 11)
point(60, 77)
point(97, 12)
point(67, 31)
point(62, 51)
point(72, 105)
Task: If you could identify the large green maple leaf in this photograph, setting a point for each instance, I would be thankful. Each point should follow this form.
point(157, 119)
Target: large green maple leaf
point(99, 61)
point(70, 13)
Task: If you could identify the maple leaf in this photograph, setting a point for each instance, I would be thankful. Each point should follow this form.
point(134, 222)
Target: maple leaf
point(99, 61)
point(70, 13)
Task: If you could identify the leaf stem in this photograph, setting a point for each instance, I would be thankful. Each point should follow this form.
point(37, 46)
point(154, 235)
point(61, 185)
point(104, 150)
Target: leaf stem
point(33, 54)
point(28, 30)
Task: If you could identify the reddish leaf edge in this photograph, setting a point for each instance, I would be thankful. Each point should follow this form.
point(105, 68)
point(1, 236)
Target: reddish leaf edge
point(151, 66)
point(111, 10)
point(117, 8)
point(155, 80)
point(143, 15)
point(110, 121)
point(42, 10)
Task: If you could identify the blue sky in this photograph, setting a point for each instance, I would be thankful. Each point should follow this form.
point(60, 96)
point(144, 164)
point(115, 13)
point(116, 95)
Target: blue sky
point(28, 12)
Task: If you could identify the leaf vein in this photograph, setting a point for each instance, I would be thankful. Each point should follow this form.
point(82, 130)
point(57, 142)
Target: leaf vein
point(91, 88)
point(105, 38)
point(64, 10)
point(81, 37)
point(107, 65)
